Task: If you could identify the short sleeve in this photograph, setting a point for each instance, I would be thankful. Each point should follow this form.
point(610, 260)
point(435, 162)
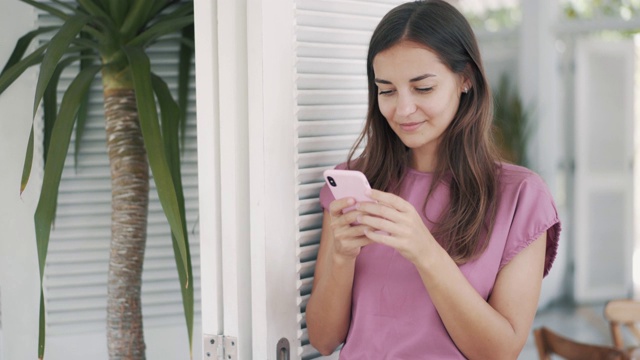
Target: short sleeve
point(534, 214)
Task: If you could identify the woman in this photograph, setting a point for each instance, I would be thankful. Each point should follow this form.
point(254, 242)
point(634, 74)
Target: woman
point(448, 262)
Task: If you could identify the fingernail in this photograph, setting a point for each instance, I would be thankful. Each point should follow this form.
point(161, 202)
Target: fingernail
point(351, 201)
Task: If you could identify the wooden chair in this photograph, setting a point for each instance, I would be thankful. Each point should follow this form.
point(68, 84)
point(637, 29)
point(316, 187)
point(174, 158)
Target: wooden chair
point(622, 313)
point(550, 343)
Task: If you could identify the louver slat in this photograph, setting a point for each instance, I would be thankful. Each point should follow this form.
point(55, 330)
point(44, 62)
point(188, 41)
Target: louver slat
point(331, 43)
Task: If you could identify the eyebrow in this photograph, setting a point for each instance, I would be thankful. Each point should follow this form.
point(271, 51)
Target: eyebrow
point(417, 78)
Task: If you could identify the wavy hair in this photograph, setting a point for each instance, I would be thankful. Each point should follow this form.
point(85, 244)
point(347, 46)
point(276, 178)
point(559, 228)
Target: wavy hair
point(467, 158)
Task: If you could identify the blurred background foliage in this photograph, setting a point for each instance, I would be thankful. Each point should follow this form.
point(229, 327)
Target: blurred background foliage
point(593, 9)
point(498, 15)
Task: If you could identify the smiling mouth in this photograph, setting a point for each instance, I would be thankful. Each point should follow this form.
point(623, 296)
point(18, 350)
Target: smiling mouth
point(412, 126)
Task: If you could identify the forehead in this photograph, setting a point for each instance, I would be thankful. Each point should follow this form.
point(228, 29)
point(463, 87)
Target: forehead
point(408, 59)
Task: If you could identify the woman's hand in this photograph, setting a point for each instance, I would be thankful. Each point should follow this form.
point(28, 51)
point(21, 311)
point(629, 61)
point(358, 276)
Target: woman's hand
point(396, 223)
point(348, 237)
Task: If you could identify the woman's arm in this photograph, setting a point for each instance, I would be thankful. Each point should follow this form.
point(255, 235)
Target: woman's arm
point(328, 312)
point(496, 329)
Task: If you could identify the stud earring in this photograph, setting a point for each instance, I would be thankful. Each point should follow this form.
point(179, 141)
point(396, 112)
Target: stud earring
point(466, 90)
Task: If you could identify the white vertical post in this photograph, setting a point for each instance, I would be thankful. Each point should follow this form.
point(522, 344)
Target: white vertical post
point(539, 83)
point(273, 176)
point(206, 59)
point(635, 261)
point(234, 174)
point(256, 114)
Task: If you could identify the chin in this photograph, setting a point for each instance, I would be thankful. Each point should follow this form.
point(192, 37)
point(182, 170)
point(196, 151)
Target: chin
point(413, 144)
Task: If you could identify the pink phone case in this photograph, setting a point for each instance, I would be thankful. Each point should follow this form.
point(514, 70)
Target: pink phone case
point(347, 183)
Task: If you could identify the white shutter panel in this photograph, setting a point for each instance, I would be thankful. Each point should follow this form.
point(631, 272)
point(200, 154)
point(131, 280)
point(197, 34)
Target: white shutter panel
point(76, 269)
point(332, 38)
point(604, 109)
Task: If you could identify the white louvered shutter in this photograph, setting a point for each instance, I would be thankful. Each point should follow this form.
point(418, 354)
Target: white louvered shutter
point(76, 269)
point(332, 38)
point(604, 152)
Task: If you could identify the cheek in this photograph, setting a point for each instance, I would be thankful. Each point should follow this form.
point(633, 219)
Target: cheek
point(443, 106)
point(386, 108)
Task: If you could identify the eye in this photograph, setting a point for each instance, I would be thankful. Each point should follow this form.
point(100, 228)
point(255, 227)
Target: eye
point(385, 92)
point(424, 90)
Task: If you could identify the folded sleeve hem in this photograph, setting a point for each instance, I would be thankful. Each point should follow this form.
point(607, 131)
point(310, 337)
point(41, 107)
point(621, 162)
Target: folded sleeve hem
point(553, 236)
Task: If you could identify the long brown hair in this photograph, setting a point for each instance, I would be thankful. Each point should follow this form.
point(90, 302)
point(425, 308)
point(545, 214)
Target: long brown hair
point(467, 160)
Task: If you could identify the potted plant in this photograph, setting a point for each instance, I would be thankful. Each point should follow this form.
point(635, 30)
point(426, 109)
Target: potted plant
point(110, 37)
point(511, 123)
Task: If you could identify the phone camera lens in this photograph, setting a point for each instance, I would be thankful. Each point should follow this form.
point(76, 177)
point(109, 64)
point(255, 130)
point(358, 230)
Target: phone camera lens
point(331, 181)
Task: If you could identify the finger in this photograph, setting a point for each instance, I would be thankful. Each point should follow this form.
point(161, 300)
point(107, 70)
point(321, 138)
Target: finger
point(337, 206)
point(348, 224)
point(345, 225)
point(389, 199)
point(380, 210)
point(378, 223)
point(353, 237)
point(359, 241)
point(380, 237)
point(347, 219)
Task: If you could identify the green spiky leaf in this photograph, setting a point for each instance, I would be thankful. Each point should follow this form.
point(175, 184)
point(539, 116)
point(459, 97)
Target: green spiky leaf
point(8, 76)
point(184, 75)
point(47, 8)
point(141, 73)
point(61, 136)
point(57, 48)
point(28, 162)
point(23, 44)
point(161, 28)
point(170, 114)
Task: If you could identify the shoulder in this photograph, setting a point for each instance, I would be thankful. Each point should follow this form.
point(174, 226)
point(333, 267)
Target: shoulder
point(526, 209)
point(523, 190)
point(513, 174)
point(518, 178)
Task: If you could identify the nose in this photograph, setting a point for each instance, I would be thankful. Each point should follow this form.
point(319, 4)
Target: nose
point(405, 105)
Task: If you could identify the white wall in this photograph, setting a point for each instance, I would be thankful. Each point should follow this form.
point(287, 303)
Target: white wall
point(18, 259)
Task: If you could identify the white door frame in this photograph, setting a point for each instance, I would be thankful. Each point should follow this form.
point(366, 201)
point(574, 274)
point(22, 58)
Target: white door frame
point(273, 172)
point(206, 59)
point(245, 136)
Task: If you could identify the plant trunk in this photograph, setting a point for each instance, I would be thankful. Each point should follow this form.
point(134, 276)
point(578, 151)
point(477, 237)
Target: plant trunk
point(130, 199)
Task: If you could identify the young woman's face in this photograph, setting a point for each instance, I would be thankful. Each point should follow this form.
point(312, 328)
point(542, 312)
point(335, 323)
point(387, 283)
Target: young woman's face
point(417, 94)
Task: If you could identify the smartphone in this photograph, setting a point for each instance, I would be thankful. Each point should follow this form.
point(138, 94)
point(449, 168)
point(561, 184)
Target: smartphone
point(347, 183)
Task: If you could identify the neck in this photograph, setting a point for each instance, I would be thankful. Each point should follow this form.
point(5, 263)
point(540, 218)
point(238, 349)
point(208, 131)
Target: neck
point(423, 161)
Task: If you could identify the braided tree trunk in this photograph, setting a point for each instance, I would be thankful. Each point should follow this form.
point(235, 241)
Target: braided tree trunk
point(130, 198)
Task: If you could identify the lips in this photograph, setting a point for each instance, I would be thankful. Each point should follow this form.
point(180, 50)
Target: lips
point(412, 126)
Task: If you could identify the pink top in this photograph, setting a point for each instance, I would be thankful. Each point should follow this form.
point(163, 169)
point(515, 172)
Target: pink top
point(392, 314)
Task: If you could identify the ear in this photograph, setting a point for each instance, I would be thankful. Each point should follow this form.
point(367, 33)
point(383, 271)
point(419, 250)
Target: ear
point(465, 86)
point(465, 83)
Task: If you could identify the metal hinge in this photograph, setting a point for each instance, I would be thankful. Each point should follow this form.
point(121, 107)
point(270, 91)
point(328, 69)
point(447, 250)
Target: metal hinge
point(220, 347)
